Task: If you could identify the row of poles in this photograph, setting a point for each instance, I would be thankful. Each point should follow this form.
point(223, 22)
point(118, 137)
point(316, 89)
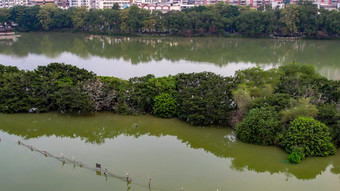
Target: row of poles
point(98, 168)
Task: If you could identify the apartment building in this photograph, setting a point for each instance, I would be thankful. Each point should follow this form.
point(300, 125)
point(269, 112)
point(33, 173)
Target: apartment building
point(12, 3)
point(108, 4)
point(162, 5)
point(90, 4)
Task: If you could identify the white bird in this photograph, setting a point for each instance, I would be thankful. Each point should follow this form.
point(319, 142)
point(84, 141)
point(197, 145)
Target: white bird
point(74, 159)
point(62, 155)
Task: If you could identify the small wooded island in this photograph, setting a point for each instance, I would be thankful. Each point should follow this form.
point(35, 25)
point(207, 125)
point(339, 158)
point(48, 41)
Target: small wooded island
point(292, 107)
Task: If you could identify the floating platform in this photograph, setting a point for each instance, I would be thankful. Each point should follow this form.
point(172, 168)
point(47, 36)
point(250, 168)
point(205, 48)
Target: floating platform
point(7, 33)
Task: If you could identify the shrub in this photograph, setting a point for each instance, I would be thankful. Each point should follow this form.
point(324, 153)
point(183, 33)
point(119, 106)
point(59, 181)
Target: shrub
point(260, 126)
point(301, 108)
point(165, 106)
point(310, 135)
point(296, 156)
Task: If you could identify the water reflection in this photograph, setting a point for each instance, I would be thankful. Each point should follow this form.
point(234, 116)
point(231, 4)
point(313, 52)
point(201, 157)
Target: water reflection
point(96, 129)
point(217, 51)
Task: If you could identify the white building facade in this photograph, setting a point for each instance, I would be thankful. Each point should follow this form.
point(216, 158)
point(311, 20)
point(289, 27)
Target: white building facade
point(90, 4)
point(108, 4)
point(12, 3)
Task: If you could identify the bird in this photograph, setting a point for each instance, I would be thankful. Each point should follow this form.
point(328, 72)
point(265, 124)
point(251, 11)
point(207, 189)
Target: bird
point(105, 171)
point(62, 155)
point(74, 159)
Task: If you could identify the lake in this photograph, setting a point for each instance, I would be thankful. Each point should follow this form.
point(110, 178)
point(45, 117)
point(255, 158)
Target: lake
point(127, 57)
point(174, 154)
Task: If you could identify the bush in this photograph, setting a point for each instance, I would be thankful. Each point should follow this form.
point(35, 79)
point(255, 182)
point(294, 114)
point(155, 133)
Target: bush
point(310, 135)
point(296, 156)
point(300, 108)
point(260, 126)
point(165, 106)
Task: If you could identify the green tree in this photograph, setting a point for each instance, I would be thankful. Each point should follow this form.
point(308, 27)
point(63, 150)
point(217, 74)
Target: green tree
point(165, 106)
point(61, 19)
point(260, 126)
point(45, 15)
point(250, 23)
point(116, 6)
point(149, 24)
point(332, 22)
point(310, 135)
point(72, 99)
point(4, 15)
point(289, 20)
point(299, 80)
point(309, 20)
point(78, 18)
point(204, 98)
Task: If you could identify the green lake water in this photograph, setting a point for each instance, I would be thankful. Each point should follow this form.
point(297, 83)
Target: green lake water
point(174, 154)
point(127, 57)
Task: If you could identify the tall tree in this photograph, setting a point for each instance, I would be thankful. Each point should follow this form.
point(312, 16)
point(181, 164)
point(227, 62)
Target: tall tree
point(45, 15)
point(289, 20)
point(78, 18)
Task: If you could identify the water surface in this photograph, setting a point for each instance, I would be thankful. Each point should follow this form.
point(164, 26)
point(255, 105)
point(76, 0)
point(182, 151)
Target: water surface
point(173, 153)
point(127, 57)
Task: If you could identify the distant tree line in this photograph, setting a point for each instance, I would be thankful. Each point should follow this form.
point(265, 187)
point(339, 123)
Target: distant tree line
point(292, 107)
point(302, 19)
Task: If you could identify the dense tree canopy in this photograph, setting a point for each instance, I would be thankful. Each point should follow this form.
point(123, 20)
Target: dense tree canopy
point(204, 98)
point(219, 19)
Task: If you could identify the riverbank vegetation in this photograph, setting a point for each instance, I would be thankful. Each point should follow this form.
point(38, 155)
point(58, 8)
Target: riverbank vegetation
point(292, 106)
point(303, 19)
